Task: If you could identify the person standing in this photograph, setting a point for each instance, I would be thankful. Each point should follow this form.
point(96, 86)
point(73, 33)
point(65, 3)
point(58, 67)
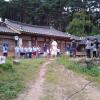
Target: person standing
point(88, 48)
point(68, 53)
point(99, 50)
point(73, 45)
point(45, 47)
point(21, 51)
point(17, 52)
point(97, 47)
point(54, 46)
point(5, 51)
point(58, 52)
point(30, 52)
point(34, 51)
point(93, 50)
point(38, 50)
point(25, 52)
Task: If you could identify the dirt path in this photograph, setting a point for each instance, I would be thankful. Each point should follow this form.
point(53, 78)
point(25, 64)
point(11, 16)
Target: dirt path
point(60, 83)
point(54, 82)
point(36, 90)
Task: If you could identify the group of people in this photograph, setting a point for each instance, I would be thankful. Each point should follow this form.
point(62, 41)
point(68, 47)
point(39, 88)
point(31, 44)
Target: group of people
point(37, 51)
point(71, 48)
point(27, 52)
point(92, 48)
point(34, 51)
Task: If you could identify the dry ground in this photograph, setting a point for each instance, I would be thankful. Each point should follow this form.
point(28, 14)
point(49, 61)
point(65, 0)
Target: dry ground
point(54, 82)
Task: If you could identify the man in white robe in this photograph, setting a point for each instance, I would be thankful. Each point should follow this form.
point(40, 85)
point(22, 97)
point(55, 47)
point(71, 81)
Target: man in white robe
point(54, 48)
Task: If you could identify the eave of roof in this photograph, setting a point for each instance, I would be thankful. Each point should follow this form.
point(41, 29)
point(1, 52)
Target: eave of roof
point(4, 29)
point(34, 29)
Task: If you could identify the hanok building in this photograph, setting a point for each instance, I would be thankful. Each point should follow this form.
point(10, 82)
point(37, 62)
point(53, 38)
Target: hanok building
point(30, 35)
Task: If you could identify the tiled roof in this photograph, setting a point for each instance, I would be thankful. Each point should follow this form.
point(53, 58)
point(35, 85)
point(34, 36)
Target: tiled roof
point(34, 29)
point(6, 30)
point(83, 41)
point(11, 26)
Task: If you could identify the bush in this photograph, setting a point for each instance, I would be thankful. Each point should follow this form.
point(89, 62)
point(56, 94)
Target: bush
point(6, 66)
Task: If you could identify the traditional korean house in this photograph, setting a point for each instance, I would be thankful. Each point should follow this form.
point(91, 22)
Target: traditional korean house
point(30, 35)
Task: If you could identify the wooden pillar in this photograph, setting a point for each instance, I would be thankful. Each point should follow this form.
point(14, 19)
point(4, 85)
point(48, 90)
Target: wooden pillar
point(31, 41)
point(45, 40)
point(65, 44)
point(49, 42)
point(60, 46)
point(36, 41)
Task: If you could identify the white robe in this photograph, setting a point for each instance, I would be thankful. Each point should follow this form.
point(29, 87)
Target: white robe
point(54, 48)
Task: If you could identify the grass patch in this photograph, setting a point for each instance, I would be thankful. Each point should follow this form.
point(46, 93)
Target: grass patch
point(13, 81)
point(7, 66)
point(52, 75)
point(93, 73)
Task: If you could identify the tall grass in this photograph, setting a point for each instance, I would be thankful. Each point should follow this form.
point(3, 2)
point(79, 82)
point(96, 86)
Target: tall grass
point(93, 73)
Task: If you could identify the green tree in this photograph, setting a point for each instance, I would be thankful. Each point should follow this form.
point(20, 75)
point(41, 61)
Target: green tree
point(81, 24)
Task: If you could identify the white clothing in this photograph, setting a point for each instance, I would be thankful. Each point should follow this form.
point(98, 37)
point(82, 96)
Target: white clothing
point(88, 44)
point(94, 47)
point(54, 43)
point(21, 49)
point(25, 50)
point(30, 49)
point(34, 49)
point(53, 52)
point(47, 51)
point(68, 53)
point(58, 50)
point(17, 50)
point(54, 48)
point(5, 50)
point(38, 49)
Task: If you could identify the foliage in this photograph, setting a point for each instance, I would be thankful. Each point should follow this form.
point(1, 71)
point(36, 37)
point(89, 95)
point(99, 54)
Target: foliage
point(95, 30)
point(81, 24)
point(6, 66)
point(49, 12)
point(93, 73)
point(12, 82)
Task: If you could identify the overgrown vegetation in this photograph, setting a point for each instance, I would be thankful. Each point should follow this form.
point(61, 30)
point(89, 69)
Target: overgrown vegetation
point(7, 66)
point(13, 81)
point(93, 73)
